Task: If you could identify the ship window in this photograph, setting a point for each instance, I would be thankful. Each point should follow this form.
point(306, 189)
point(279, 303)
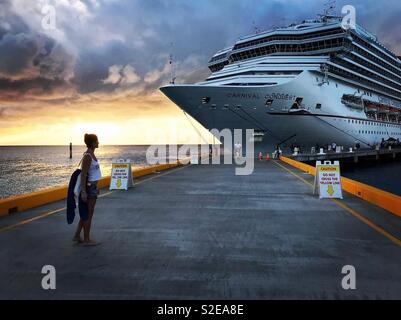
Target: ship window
point(269, 103)
point(205, 100)
point(319, 106)
point(297, 104)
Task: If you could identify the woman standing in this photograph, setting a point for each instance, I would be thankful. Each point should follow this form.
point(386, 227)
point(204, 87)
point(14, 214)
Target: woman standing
point(90, 176)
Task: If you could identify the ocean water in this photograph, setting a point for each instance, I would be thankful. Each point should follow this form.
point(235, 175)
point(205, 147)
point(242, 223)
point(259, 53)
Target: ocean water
point(28, 169)
point(385, 174)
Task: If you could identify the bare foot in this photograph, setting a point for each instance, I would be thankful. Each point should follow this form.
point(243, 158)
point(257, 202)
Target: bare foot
point(90, 243)
point(77, 239)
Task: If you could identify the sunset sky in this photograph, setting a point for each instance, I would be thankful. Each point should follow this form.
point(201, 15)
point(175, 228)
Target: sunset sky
point(100, 69)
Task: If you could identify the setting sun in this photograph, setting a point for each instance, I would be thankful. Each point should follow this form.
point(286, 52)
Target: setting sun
point(108, 132)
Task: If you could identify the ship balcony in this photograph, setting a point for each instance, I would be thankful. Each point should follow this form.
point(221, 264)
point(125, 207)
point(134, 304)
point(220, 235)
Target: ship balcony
point(383, 111)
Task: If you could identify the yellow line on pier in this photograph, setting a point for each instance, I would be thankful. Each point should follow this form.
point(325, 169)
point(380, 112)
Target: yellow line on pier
point(368, 222)
point(19, 224)
point(351, 211)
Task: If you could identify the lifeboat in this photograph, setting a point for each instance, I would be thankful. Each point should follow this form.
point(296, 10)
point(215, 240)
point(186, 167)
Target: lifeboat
point(371, 107)
point(352, 101)
point(383, 109)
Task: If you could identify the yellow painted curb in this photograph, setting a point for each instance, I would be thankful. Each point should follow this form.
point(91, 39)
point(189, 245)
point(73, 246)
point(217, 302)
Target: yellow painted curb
point(36, 199)
point(380, 198)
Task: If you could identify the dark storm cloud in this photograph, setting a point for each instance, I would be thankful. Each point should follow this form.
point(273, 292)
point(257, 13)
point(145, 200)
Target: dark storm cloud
point(17, 54)
point(38, 87)
point(16, 48)
point(31, 63)
point(387, 24)
point(97, 37)
point(153, 29)
point(10, 21)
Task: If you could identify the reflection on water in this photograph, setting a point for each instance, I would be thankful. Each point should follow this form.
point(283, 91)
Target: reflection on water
point(28, 169)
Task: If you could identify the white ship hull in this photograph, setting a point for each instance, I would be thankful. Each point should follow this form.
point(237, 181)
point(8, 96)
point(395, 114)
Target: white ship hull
point(315, 82)
point(233, 107)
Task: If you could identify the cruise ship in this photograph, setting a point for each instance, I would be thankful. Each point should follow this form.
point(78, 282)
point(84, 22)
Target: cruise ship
point(310, 83)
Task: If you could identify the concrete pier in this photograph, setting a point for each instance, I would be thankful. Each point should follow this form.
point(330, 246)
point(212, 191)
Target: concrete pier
point(200, 232)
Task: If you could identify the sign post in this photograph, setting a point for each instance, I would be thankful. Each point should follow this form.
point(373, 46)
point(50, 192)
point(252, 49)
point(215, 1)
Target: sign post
point(121, 175)
point(328, 180)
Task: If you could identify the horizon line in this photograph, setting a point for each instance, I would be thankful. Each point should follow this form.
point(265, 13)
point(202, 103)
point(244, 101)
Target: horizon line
point(106, 145)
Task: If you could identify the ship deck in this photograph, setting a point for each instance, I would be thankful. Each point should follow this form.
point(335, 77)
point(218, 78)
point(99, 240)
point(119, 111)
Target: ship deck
point(354, 156)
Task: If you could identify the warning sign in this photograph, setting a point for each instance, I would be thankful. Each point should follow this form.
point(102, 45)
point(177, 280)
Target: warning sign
point(121, 175)
point(328, 180)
